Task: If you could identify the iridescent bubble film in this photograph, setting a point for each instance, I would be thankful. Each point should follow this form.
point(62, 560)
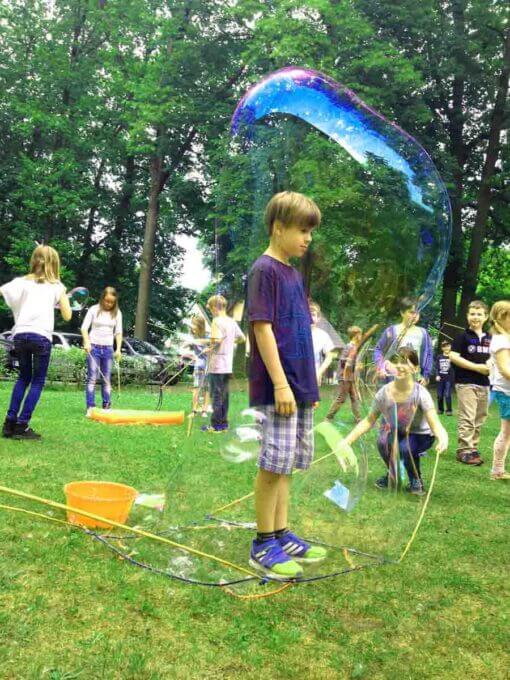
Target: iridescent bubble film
point(386, 215)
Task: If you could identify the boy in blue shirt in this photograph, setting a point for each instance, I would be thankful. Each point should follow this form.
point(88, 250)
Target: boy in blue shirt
point(444, 378)
point(283, 381)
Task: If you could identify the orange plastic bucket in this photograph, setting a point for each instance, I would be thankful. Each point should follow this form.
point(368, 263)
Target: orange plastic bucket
point(107, 499)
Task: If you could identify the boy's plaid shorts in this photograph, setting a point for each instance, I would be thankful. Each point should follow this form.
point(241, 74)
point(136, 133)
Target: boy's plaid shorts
point(287, 441)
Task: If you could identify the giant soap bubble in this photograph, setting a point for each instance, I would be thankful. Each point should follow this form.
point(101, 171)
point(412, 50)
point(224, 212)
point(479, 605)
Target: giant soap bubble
point(385, 234)
point(386, 215)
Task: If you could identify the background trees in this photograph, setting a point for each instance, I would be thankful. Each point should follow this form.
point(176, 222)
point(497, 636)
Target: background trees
point(114, 119)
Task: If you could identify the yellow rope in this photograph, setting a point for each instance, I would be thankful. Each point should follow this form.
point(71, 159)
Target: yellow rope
point(422, 513)
point(36, 514)
point(139, 532)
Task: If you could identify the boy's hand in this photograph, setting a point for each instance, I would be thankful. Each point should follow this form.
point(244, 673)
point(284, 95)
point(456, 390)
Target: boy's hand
point(484, 369)
point(284, 401)
point(438, 378)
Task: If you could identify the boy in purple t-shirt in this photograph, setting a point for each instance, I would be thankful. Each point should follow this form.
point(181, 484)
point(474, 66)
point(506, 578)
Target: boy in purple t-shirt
point(283, 381)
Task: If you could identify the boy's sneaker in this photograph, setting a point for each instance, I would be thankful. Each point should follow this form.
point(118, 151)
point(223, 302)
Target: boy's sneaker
point(22, 431)
point(416, 487)
point(469, 458)
point(269, 558)
point(382, 482)
point(449, 413)
point(300, 550)
point(8, 428)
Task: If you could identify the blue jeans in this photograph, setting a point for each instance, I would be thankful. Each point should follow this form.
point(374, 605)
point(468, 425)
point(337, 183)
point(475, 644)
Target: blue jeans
point(33, 352)
point(410, 448)
point(444, 392)
point(99, 364)
point(218, 389)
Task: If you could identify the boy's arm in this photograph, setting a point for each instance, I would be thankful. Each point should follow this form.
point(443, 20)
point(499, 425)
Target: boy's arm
point(325, 365)
point(456, 359)
point(428, 357)
point(216, 335)
point(285, 403)
point(440, 433)
point(380, 349)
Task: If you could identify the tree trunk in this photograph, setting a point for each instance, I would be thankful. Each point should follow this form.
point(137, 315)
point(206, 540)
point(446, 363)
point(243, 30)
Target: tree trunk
point(453, 273)
point(484, 198)
point(151, 222)
point(114, 269)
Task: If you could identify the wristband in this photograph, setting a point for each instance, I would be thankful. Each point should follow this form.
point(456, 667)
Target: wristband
point(281, 387)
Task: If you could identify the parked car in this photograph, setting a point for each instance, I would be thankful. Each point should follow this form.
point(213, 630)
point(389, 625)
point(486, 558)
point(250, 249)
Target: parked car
point(10, 359)
point(145, 351)
point(66, 340)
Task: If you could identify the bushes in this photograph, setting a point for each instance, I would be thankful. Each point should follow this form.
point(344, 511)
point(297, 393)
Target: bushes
point(70, 367)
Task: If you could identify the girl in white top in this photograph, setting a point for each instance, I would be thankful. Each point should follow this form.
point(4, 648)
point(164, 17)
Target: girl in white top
point(32, 299)
point(500, 380)
point(101, 326)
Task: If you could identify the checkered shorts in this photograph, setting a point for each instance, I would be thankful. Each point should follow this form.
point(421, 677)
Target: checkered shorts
point(199, 377)
point(287, 441)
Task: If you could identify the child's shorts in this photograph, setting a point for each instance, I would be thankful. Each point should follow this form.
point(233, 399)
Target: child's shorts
point(503, 404)
point(287, 441)
point(199, 377)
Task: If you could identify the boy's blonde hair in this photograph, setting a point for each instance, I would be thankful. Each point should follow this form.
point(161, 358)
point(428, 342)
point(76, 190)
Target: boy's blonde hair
point(479, 304)
point(499, 311)
point(291, 209)
point(352, 331)
point(314, 307)
point(198, 326)
point(45, 265)
point(110, 290)
point(216, 302)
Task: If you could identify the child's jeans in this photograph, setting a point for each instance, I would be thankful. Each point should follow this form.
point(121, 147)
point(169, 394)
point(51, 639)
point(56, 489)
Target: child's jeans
point(219, 397)
point(444, 393)
point(410, 447)
point(346, 388)
point(99, 364)
point(33, 352)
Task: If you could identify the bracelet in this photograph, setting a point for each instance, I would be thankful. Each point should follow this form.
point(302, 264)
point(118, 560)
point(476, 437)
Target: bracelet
point(281, 387)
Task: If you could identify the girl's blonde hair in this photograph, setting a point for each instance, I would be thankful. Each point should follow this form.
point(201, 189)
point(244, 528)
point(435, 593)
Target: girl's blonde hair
point(45, 265)
point(198, 326)
point(500, 310)
point(109, 290)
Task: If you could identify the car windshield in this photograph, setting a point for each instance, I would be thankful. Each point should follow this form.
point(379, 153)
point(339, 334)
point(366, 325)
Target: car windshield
point(142, 347)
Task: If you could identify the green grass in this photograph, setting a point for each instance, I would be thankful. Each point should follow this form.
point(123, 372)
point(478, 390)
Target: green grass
point(70, 609)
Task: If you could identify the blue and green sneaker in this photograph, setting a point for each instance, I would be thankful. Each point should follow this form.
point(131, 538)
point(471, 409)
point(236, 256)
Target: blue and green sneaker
point(269, 558)
point(300, 550)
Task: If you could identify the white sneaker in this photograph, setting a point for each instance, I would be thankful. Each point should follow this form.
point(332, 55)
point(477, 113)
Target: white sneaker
point(89, 413)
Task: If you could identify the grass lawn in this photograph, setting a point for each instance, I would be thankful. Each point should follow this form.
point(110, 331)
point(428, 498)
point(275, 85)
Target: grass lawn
point(70, 609)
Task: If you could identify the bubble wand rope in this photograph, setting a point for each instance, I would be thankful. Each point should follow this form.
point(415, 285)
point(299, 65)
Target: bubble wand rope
point(134, 530)
point(422, 513)
point(224, 587)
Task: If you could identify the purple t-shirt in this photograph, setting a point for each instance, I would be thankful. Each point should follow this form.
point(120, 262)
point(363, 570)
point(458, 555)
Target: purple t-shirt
point(276, 294)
